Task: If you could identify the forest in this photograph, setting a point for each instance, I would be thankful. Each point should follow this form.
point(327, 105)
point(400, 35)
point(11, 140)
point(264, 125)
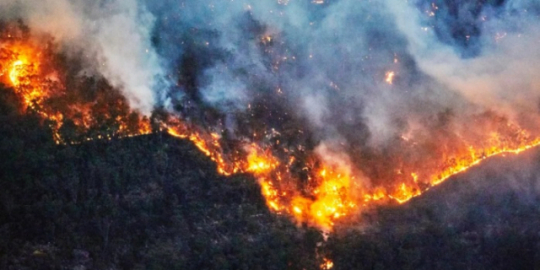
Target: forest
point(157, 202)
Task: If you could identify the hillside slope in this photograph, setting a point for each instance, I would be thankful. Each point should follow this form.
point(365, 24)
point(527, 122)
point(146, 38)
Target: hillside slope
point(485, 218)
point(148, 202)
point(156, 202)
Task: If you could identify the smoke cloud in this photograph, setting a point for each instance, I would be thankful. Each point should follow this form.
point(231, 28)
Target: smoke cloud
point(113, 37)
point(500, 76)
point(325, 64)
point(456, 64)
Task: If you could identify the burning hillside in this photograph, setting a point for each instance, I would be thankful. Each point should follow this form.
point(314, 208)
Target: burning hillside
point(32, 68)
point(335, 123)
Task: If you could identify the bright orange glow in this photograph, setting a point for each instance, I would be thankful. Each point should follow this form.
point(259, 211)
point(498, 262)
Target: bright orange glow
point(332, 197)
point(390, 77)
point(15, 72)
point(23, 70)
point(24, 74)
point(308, 188)
point(260, 162)
point(271, 195)
point(327, 264)
point(463, 163)
point(207, 143)
point(35, 80)
point(377, 195)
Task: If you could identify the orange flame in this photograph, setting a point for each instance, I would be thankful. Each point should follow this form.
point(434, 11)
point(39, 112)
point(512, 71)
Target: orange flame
point(36, 83)
point(463, 163)
point(326, 193)
point(390, 77)
point(15, 72)
point(327, 264)
point(23, 70)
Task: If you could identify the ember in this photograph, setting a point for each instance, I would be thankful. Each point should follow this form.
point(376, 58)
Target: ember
point(385, 146)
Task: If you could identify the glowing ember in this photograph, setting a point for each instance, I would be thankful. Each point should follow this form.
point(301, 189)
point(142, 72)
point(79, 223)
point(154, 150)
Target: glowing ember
point(332, 197)
point(405, 193)
point(390, 77)
point(23, 62)
point(327, 264)
point(36, 81)
point(207, 143)
point(15, 72)
point(306, 187)
point(260, 162)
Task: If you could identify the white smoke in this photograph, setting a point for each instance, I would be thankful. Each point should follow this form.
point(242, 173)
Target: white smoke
point(329, 61)
point(502, 77)
point(114, 37)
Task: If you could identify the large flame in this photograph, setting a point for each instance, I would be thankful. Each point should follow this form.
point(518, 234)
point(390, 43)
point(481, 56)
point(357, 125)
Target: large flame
point(327, 264)
point(21, 62)
point(28, 67)
point(319, 193)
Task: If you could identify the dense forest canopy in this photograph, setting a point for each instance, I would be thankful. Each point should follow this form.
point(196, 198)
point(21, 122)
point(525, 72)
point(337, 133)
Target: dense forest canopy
point(157, 202)
point(327, 134)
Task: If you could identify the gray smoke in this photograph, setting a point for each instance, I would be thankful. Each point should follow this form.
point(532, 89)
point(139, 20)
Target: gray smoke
point(501, 76)
point(112, 36)
point(326, 62)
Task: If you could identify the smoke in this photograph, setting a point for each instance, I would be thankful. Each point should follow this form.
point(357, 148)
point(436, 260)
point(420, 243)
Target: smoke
point(323, 65)
point(455, 63)
point(328, 60)
point(113, 37)
point(501, 74)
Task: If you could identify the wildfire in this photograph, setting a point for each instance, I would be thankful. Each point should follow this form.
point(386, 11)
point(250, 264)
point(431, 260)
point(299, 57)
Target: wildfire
point(332, 195)
point(260, 162)
point(23, 70)
point(327, 264)
point(30, 72)
point(208, 143)
point(390, 77)
point(405, 192)
point(15, 72)
point(313, 191)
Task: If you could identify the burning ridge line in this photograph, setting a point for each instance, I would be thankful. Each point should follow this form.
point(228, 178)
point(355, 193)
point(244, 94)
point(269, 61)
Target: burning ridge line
point(328, 198)
point(462, 168)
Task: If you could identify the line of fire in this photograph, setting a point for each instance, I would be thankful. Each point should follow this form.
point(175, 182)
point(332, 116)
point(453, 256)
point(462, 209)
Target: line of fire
point(294, 180)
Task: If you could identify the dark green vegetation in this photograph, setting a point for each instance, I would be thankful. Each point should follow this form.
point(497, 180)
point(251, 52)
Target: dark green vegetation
point(156, 202)
point(150, 202)
point(487, 218)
